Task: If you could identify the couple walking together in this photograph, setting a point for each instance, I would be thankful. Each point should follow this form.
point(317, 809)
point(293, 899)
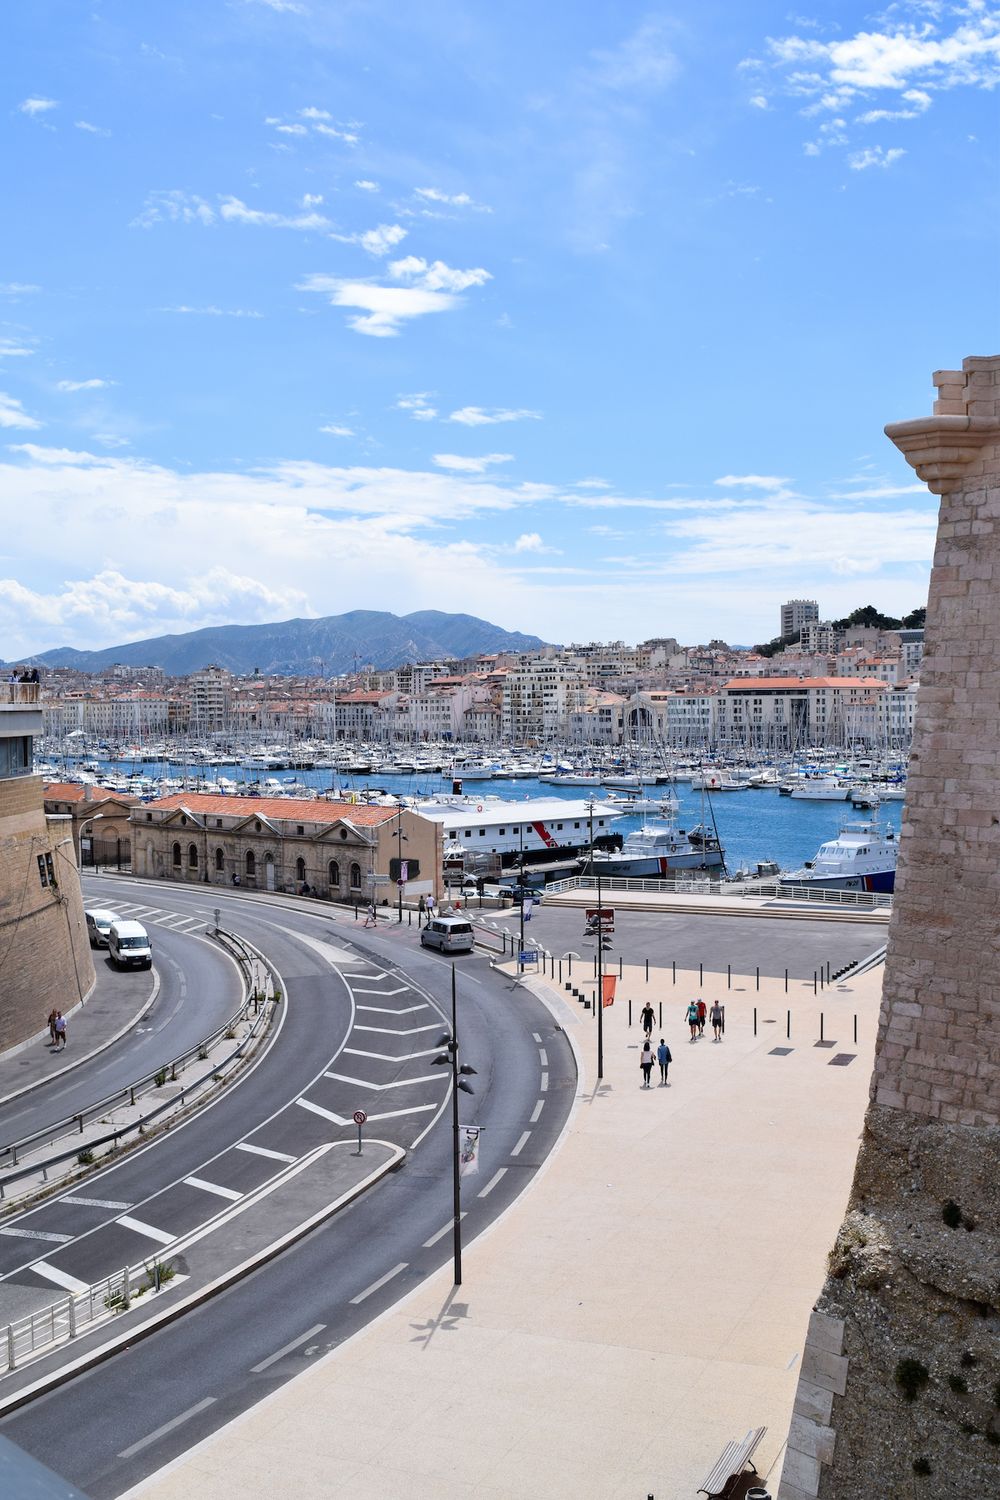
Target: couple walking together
point(662, 1056)
point(696, 1015)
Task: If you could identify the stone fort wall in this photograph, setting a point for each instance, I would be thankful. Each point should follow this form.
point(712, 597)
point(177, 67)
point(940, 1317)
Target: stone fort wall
point(45, 957)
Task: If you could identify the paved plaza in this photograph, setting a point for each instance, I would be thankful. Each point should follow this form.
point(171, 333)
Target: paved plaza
point(642, 1305)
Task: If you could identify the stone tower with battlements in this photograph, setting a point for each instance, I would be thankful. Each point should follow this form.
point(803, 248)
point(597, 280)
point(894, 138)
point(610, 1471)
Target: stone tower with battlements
point(899, 1393)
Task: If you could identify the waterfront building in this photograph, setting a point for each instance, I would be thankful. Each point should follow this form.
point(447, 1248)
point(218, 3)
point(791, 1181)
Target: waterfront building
point(98, 821)
point(341, 850)
point(597, 720)
point(46, 954)
point(537, 694)
point(789, 713)
point(210, 693)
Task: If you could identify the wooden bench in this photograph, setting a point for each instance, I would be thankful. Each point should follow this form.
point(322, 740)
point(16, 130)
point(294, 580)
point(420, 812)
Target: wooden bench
point(731, 1463)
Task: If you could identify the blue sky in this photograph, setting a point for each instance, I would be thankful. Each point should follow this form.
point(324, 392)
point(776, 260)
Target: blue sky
point(585, 319)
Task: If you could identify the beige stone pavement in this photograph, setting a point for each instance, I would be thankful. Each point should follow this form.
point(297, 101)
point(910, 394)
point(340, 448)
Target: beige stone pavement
point(644, 1302)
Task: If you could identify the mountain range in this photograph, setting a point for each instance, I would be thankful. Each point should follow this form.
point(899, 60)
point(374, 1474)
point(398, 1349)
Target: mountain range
point(323, 647)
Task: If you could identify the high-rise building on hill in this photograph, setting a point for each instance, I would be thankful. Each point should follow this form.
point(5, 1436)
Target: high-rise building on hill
point(797, 613)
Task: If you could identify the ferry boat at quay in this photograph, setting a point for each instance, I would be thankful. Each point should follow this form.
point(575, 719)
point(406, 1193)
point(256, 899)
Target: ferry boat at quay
point(861, 858)
point(544, 828)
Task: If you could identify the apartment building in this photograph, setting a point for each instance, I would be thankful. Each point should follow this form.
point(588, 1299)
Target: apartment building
point(537, 697)
point(796, 614)
point(788, 713)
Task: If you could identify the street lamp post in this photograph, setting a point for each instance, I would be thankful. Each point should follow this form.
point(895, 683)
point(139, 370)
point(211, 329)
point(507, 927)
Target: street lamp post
point(520, 882)
point(400, 841)
point(596, 869)
point(459, 1074)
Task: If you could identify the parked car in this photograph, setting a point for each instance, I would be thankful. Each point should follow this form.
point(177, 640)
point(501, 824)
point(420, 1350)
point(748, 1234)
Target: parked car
point(99, 924)
point(128, 945)
point(447, 935)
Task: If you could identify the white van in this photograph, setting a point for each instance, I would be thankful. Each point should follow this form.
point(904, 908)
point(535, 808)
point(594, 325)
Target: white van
point(99, 924)
point(447, 935)
point(128, 945)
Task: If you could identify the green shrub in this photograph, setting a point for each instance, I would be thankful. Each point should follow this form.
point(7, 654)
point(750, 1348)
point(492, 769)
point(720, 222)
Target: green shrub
point(160, 1077)
point(911, 1377)
point(85, 1157)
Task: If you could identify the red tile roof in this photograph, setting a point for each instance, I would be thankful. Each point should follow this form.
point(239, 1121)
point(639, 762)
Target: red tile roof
point(71, 791)
point(755, 684)
point(286, 809)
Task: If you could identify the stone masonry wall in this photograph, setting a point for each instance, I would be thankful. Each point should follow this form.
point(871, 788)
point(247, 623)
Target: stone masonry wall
point(45, 957)
point(899, 1394)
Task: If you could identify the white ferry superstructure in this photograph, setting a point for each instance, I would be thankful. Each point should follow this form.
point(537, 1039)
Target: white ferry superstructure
point(539, 825)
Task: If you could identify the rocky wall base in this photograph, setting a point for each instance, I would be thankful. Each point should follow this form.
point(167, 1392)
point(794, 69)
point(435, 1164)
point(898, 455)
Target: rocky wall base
point(899, 1394)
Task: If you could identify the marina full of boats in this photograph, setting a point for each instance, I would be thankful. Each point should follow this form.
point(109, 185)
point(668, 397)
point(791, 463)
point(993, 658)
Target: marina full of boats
point(647, 815)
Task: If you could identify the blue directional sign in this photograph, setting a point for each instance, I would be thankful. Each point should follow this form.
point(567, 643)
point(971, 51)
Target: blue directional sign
point(528, 956)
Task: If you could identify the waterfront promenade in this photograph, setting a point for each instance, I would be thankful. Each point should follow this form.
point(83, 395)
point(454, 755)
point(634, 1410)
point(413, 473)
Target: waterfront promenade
point(645, 1302)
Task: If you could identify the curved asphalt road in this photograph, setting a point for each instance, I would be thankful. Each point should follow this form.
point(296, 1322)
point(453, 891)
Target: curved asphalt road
point(103, 1429)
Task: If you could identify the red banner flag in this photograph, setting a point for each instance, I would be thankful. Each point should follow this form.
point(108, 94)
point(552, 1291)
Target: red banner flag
point(608, 982)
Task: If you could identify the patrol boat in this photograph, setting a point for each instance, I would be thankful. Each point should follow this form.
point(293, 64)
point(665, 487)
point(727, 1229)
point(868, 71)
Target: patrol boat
point(861, 858)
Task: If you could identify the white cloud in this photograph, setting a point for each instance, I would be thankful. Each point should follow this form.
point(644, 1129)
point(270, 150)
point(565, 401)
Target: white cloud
point(110, 439)
point(312, 113)
point(451, 200)
point(12, 413)
point(283, 7)
point(293, 129)
point(90, 129)
point(18, 288)
point(378, 241)
point(384, 310)
point(591, 484)
point(14, 349)
point(83, 385)
point(36, 106)
point(462, 465)
point(531, 541)
point(483, 416)
point(336, 430)
point(418, 405)
point(311, 200)
point(235, 211)
point(213, 312)
point(752, 481)
point(173, 206)
point(759, 101)
point(874, 156)
point(367, 186)
point(642, 62)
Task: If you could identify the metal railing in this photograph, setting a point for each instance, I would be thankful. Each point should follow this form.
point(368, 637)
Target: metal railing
point(768, 889)
point(30, 1337)
point(19, 692)
point(248, 958)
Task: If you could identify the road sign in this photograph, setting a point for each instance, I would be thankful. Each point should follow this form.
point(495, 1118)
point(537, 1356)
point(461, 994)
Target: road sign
point(602, 916)
point(359, 1117)
point(376, 880)
point(528, 956)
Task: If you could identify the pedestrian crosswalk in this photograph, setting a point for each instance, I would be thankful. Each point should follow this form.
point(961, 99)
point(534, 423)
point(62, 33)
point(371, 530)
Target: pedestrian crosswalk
point(156, 916)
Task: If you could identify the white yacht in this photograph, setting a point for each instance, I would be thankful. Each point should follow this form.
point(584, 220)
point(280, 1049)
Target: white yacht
point(655, 850)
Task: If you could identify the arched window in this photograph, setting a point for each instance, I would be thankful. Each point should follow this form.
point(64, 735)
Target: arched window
point(220, 860)
point(300, 868)
point(177, 856)
point(192, 856)
point(251, 863)
point(355, 877)
point(334, 872)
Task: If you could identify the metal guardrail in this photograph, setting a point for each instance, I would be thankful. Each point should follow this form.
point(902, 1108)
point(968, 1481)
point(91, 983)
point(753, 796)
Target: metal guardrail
point(247, 958)
point(67, 1318)
point(756, 888)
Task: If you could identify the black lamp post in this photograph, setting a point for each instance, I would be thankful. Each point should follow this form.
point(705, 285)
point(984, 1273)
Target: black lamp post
point(520, 892)
point(401, 839)
point(458, 1077)
point(600, 953)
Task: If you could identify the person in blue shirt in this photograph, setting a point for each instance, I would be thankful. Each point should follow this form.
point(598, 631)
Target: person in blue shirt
point(664, 1058)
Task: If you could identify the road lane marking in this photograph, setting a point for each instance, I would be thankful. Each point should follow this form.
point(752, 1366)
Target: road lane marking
point(385, 1057)
point(264, 1151)
point(380, 1283)
point(379, 974)
point(394, 1114)
point(149, 1230)
point(544, 1083)
point(36, 1234)
point(397, 1083)
point(213, 1187)
point(492, 1183)
point(535, 1036)
point(543, 1057)
point(395, 1031)
point(272, 1359)
point(388, 1010)
point(153, 1437)
point(428, 1244)
point(536, 1112)
point(94, 1202)
point(526, 1137)
point(317, 1109)
point(400, 990)
point(60, 1278)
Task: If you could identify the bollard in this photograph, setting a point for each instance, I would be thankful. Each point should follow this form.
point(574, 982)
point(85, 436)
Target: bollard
point(855, 1030)
point(560, 971)
point(755, 1020)
point(570, 970)
point(647, 970)
point(621, 974)
point(409, 917)
point(701, 973)
point(355, 911)
point(815, 983)
point(788, 1026)
point(786, 981)
point(673, 969)
point(630, 1013)
point(729, 976)
point(661, 1015)
point(828, 971)
point(758, 976)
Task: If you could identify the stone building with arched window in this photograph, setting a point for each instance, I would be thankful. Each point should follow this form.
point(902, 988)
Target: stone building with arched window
point(343, 851)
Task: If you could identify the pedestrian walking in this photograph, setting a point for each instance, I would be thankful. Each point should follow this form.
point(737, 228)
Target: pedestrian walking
point(691, 1016)
point(51, 1024)
point(646, 1017)
point(702, 1014)
point(646, 1063)
point(371, 916)
point(60, 1025)
point(664, 1058)
point(717, 1016)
